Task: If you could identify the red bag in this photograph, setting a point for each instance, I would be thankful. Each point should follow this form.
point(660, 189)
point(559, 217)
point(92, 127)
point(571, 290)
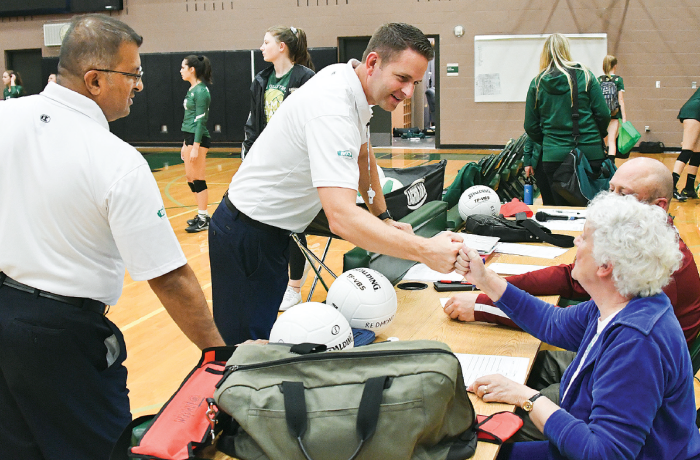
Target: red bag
point(497, 428)
point(187, 422)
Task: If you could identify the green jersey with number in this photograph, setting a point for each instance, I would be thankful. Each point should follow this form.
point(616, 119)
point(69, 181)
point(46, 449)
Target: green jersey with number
point(197, 111)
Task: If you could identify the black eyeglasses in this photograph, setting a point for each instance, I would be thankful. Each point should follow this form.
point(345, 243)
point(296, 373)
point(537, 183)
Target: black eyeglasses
point(137, 76)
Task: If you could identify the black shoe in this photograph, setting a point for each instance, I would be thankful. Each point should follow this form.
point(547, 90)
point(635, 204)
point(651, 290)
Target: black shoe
point(190, 222)
point(201, 224)
point(685, 193)
point(679, 196)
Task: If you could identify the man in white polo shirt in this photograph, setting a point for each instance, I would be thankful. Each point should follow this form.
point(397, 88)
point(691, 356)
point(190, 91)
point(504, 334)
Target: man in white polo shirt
point(91, 207)
point(314, 154)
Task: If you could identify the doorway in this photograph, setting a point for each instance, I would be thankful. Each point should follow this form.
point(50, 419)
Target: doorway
point(28, 64)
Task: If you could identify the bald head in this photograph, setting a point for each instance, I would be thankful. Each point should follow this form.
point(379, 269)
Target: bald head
point(647, 179)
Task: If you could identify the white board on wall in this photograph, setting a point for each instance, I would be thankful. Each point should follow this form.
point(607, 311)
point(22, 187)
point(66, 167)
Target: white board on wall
point(504, 65)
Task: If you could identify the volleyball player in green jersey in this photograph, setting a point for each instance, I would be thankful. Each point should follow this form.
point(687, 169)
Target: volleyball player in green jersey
point(197, 71)
point(13, 85)
point(620, 115)
point(285, 48)
point(689, 115)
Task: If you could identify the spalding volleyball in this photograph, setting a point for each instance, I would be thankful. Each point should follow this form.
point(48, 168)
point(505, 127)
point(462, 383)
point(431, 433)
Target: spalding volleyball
point(365, 297)
point(313, 322)
point(479, 199)
point(389, 184)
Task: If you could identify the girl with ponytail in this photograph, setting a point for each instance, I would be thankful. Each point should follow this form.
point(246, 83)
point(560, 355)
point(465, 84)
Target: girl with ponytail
point(286, 49)
point(196, 70)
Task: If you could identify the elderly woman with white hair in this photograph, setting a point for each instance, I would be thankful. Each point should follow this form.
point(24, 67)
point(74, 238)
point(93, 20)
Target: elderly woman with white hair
point(629, 392)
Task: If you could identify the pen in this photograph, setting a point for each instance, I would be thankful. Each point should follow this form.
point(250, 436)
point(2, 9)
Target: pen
point(453, 282)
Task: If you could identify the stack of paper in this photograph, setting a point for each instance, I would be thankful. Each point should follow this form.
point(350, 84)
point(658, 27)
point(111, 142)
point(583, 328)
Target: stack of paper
point(475, 366)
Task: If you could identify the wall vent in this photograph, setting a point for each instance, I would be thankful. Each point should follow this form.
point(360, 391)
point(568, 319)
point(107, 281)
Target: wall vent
point(53, 33)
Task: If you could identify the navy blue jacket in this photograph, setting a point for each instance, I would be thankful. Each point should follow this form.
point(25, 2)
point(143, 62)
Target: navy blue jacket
point(633, 398)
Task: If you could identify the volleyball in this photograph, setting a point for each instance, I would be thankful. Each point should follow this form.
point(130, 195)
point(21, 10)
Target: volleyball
point(479, 199)
point(389, 184)
point(365, 297)
point(313, 322)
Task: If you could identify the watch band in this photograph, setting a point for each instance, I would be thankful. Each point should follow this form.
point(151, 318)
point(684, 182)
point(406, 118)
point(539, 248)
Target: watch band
point(529, 404)
point(385, 215)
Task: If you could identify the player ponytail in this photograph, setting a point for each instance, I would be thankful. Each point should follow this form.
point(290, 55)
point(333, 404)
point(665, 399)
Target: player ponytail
point(202, 67)
point(295, 39)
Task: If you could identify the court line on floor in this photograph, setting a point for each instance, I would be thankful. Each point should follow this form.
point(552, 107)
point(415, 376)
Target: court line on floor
point(151, 314)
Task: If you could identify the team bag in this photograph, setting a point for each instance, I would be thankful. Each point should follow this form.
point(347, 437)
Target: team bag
point(390, 401)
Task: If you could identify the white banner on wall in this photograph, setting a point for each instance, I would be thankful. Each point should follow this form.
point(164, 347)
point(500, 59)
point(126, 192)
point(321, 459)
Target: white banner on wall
point(504, 65)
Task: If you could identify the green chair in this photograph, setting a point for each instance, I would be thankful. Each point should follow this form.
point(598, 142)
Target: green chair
point(427, 221)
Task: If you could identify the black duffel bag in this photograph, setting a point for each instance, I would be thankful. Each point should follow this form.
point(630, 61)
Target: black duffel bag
point(520, 230)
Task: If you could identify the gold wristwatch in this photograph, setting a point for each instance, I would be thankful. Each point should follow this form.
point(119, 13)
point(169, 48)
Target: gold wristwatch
point(529, 404)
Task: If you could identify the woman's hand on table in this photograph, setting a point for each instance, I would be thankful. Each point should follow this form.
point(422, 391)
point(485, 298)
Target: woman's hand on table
point(497, 388)
point(461, 306)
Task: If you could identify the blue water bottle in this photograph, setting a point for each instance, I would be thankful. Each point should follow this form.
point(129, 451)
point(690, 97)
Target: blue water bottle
point(527, 196)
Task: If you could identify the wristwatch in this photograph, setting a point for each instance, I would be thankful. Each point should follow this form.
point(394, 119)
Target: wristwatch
point(385, 215)
point(529, 404)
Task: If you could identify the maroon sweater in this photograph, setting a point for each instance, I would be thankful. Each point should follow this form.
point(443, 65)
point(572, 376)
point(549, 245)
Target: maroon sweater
point(683, 291)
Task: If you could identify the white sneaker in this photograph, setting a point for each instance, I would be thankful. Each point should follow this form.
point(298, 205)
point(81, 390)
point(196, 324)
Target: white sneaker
point(291, 298)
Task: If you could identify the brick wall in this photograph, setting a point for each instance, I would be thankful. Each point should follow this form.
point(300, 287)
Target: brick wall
point(654, 40)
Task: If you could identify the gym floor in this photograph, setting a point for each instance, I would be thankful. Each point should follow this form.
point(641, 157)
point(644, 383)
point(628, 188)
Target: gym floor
point(159, 355)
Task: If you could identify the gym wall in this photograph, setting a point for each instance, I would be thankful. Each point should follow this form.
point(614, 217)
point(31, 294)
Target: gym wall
point(654, 40)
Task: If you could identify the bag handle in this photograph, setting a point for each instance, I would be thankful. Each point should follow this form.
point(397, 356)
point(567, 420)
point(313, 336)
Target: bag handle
point(562, 241)
point(574, 106)
point(367, 414)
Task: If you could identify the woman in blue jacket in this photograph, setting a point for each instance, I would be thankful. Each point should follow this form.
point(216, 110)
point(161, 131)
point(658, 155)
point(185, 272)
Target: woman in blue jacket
point(285, 48)
point(629, 392)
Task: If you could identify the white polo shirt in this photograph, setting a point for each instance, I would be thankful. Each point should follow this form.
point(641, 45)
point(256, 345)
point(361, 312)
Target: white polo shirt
point(76, 202)
point(312, 141)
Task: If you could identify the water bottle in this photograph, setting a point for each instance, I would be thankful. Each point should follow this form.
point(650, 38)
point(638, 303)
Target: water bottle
point(527, 198)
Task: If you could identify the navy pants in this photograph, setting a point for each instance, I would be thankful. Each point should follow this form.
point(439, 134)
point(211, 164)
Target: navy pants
point(62, 382)
point(248, 275)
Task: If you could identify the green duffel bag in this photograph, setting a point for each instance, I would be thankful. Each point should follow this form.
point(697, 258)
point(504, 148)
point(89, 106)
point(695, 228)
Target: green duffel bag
point(390, 400)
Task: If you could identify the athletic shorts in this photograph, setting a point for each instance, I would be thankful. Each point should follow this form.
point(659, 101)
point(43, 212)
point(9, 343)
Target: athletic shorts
point(691, 109)
point(189, 140)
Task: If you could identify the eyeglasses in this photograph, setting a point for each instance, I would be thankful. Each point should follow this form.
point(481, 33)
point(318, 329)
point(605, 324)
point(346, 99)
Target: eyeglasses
point(137, 76)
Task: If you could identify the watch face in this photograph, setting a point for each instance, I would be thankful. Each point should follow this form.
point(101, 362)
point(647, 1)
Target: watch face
point(527, 405)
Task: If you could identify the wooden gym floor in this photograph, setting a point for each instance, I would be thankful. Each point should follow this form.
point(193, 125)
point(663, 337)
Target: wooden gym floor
point(159, 356)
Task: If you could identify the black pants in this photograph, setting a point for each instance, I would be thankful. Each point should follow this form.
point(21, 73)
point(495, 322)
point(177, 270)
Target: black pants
point(296, 258)
point(248, 275)
point(62, 382)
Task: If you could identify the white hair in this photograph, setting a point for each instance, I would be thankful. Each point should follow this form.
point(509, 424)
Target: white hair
point(637, 240)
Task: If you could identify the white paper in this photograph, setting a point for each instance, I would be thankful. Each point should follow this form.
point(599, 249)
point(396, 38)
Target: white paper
point(528, 250)
point(483, 244)
point(514, 269)
point(443, 301)
point(475, 366)
point(422, 272)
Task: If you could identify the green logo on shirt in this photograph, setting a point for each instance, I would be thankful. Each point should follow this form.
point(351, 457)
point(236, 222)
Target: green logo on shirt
point(345, 153)
point(161, 212)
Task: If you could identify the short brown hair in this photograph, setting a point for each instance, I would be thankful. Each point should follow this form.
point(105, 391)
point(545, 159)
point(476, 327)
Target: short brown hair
point(393, 38)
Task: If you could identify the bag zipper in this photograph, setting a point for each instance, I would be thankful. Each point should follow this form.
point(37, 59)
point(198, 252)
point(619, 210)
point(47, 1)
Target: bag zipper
point(325, 356)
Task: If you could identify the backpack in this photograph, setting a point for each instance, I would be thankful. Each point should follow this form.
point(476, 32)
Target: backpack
point(391, 401)
point(607, 84)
